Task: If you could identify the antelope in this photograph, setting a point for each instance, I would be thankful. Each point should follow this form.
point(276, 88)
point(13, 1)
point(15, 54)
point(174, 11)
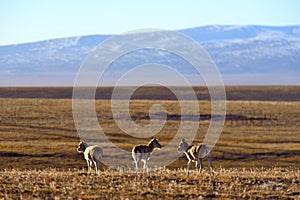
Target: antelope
point(143, 152)
point(92, 154)
point(195, 154)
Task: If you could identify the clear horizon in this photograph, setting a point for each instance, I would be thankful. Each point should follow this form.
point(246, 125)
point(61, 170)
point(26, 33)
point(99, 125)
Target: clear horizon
point(32, 21)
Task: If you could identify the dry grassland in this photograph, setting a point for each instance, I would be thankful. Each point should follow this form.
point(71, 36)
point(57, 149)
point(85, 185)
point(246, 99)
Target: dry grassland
point(257, 155)
point(258, 183)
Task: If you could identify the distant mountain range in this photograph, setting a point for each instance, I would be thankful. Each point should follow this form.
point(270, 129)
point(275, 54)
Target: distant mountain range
point(244, 55)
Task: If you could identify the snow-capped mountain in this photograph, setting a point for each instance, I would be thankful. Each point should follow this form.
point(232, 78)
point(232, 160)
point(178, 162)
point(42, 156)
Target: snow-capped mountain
point(255, 49)
point(238, 51)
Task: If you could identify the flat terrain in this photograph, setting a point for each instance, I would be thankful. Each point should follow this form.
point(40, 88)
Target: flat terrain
point(275, 183)
point(258, 93)
point(257, 155)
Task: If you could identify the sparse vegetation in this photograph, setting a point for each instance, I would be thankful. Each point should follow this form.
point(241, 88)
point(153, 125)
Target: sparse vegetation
point(274, 183)
point(257, 155)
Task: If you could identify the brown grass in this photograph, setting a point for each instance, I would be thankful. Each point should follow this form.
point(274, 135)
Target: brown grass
point(256, 133)
point(39, 133)
point(257, 93)
point(275, 183)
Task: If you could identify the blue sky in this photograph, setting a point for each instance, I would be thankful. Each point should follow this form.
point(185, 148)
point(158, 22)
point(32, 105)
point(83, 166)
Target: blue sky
point(33, 20)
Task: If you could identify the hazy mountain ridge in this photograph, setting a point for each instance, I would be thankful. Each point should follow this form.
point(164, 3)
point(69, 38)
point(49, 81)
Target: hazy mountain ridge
point(238, 49)
point(55, 55)
point(227, 32)
point(235, 50)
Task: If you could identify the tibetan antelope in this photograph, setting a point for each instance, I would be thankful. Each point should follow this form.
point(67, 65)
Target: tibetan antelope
point(92, 154)
point(143, 152)
point(195, 154)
